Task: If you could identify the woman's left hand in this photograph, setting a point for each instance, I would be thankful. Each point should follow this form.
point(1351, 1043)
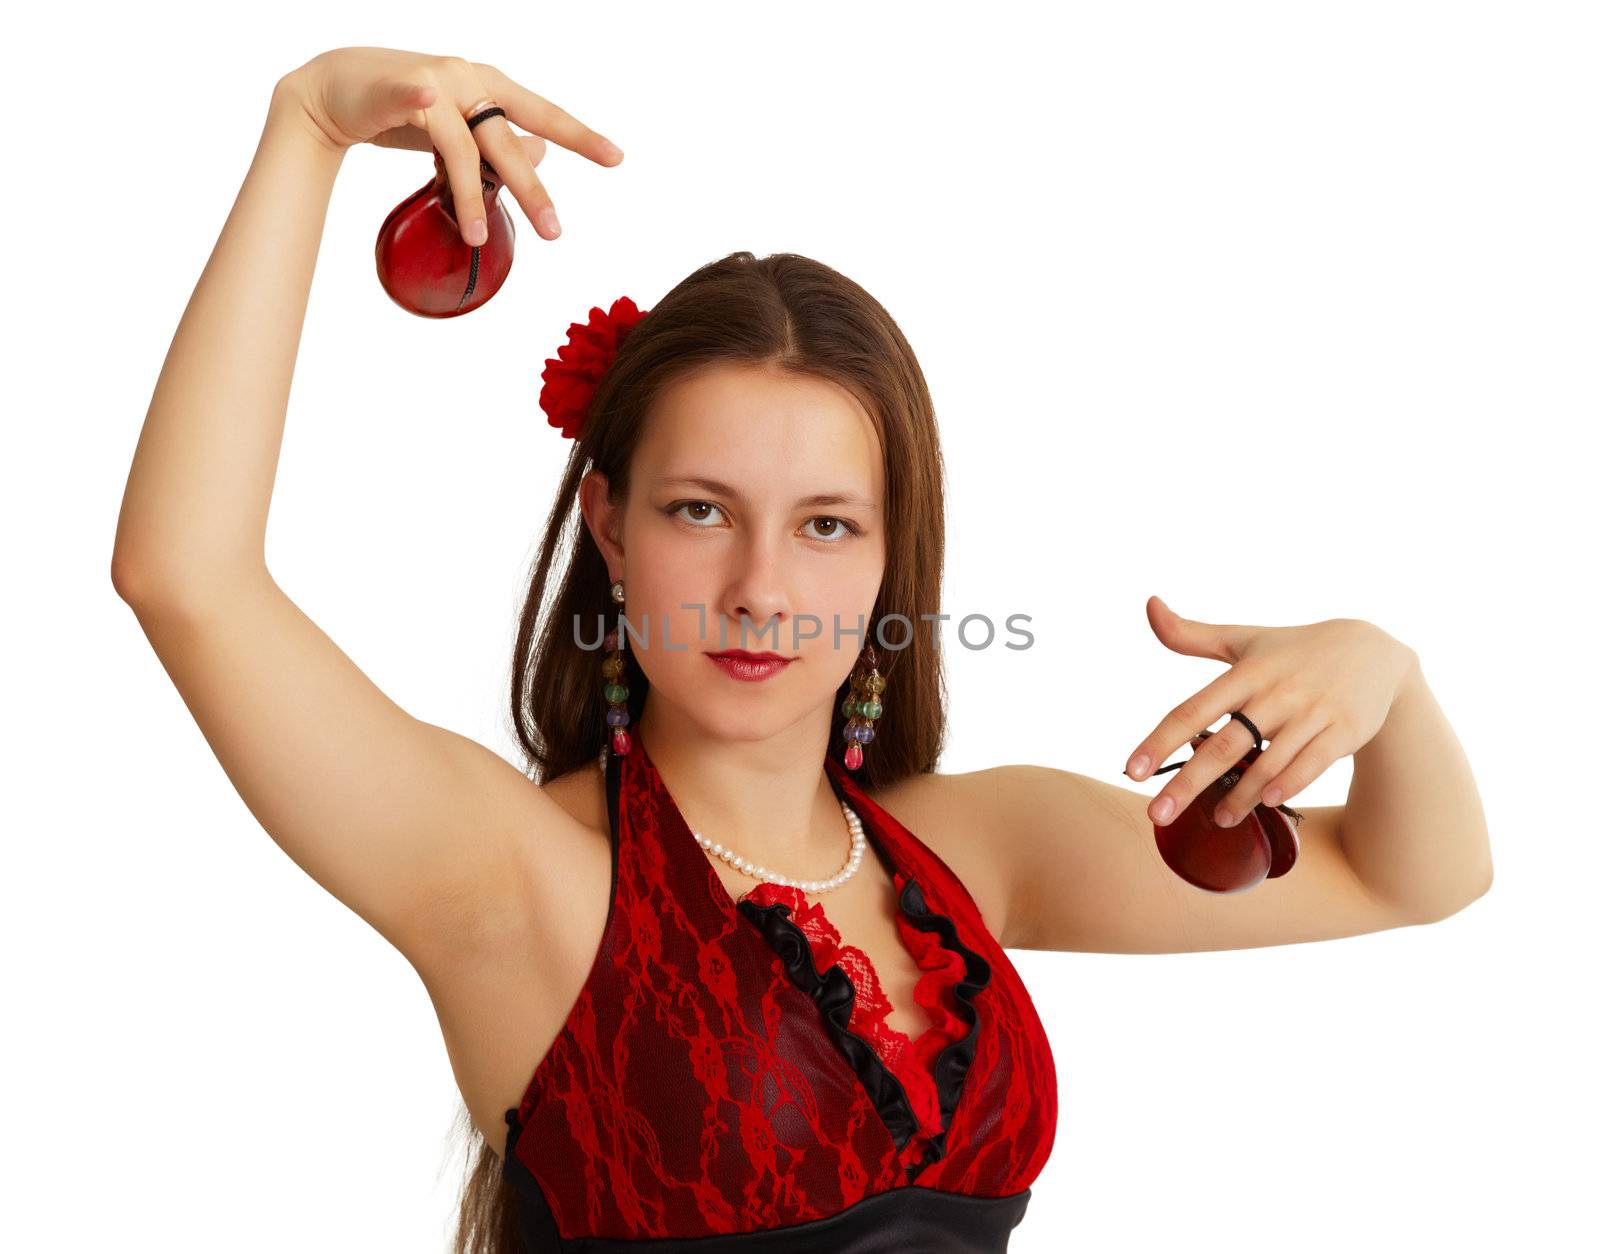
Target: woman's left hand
point(1317, 692)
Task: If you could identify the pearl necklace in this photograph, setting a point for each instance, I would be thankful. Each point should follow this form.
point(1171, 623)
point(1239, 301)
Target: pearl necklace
point(858, 845)
point(858, 849)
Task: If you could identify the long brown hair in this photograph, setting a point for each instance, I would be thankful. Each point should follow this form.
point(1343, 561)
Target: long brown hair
point(786, 311)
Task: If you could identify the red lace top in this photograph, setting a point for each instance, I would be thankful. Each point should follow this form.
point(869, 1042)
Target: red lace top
point(727, 1069)
point(942, 969)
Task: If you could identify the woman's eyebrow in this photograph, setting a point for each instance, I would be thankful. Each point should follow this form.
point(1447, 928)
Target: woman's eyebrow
point(717, 488)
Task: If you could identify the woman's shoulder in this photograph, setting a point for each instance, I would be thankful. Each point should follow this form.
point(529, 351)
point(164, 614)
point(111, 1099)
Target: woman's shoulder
point(953, 814)
point(918, 794)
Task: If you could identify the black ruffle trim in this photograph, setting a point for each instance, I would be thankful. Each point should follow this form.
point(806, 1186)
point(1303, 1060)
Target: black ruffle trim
point(835, 996)
point(955, 1059)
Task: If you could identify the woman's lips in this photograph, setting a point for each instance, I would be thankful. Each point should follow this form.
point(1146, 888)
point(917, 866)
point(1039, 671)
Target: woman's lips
point(751, 668)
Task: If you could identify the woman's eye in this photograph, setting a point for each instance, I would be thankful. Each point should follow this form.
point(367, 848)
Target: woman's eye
point(677, 510)
point(834, 529)
point(704, 513)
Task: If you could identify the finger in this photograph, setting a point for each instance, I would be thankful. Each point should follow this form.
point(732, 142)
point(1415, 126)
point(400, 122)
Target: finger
point(534, 147)
point(1323, 751)
point(408, 136)
point(1225, 693)
point(448, 129)
point(410, 96)
point(398, 102)
point(1224, 642)
point(534, 113)
point(414, 140)
point(513, 164)
point(1212, 758)
point(1266, 770)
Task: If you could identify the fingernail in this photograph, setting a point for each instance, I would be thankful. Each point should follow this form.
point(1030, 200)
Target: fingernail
point(477, 233)
point(1163, 810)
point(1222, 818)
point(611, 151)
point(548, 220)
point(1271, 796)
point(1138, 766)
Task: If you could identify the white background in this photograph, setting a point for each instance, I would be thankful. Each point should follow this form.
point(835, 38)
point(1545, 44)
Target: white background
point(1282, 312)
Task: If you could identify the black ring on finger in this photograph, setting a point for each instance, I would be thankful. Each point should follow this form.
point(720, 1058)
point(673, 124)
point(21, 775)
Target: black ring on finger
point(1254, 731)
point(483, 115)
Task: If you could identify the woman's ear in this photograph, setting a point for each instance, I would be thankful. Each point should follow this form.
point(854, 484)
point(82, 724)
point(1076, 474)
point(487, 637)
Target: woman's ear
point(602, 516)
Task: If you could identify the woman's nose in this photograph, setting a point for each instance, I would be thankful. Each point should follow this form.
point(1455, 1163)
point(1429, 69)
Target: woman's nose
point(757, 623)
point(758, 598)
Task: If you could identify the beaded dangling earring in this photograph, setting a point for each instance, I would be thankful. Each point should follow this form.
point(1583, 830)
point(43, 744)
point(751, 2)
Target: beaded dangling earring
point(614, 670)
point(862, 706)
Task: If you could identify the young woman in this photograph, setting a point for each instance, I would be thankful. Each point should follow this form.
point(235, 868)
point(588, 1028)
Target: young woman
point(734, 962)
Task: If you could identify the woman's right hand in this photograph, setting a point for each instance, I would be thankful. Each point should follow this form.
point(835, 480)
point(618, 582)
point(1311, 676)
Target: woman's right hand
point(397, 99)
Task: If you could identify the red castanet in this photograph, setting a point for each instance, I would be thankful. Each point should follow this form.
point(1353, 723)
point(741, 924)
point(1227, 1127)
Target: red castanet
point(1262, 845)
point(425, 265)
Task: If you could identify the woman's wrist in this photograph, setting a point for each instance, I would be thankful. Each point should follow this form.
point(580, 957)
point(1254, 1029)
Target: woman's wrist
point(289, 114)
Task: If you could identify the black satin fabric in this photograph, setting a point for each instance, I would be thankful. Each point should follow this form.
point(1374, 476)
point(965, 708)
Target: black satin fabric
point(905, 1220)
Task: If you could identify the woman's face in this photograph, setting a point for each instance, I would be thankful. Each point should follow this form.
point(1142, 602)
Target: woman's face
point(755, 503)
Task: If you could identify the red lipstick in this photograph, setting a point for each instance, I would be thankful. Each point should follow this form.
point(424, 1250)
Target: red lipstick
point(749, 667)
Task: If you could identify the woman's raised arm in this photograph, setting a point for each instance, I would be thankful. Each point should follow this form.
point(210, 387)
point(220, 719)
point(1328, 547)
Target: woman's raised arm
point(415, 828)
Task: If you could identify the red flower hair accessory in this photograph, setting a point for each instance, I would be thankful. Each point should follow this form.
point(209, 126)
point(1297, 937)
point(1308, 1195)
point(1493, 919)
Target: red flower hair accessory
point(573, 374)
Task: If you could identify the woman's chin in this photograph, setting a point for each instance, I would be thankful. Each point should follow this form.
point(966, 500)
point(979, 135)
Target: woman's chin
point(737, 712)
